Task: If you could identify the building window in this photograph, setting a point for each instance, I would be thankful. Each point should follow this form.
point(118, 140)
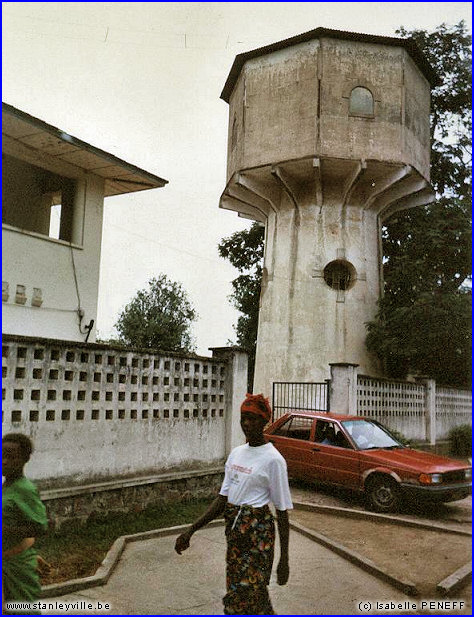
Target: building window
point(361, 102)
point(340, 275)
point(37, 200)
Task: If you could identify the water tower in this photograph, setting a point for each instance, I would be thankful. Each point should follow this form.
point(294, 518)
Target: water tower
point(329, 135)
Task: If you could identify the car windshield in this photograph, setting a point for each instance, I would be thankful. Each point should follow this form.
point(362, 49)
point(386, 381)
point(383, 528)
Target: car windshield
point(368, 435)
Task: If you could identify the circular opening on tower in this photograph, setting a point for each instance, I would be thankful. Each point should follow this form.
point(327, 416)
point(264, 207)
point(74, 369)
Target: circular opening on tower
point(340, 274)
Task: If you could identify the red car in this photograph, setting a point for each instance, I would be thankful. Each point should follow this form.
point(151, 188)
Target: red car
point(360, 454)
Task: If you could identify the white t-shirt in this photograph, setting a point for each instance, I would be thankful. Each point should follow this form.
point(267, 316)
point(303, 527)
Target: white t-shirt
point(255, 476)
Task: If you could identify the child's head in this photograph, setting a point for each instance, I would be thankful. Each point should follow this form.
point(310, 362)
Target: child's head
point(16, 452)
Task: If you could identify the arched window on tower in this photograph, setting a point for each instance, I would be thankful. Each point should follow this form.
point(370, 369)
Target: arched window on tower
point(361, 102)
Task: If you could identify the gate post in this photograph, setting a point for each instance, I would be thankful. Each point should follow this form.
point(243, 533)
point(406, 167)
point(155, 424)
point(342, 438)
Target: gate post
point(343, 389)
point(328, 394)
point(430, 408)
point(235, 391)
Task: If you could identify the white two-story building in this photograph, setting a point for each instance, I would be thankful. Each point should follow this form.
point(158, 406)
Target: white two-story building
point(53, 196)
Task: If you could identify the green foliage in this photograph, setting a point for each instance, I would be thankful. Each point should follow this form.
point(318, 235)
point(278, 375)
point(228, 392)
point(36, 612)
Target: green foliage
point(244, 250)
point(159, 317)
point(460, 438)
point(110, 341)
point(429, 336)
point(399, 437)
point(423, 324)
point(448, 50)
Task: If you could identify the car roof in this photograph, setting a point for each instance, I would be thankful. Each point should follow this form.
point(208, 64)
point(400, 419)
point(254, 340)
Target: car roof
point(323, 415)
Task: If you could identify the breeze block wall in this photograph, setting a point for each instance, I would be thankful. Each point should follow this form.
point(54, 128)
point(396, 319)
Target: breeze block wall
point(97, 412)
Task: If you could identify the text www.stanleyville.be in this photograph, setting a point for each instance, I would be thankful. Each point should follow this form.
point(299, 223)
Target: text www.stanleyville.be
point(58, 606)
point(441, 606)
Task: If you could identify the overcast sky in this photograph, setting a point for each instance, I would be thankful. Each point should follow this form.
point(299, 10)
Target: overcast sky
point(142, 80)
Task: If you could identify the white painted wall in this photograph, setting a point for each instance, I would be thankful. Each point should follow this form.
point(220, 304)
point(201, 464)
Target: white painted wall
point(81, 452)
point(235, 391)
point(97, 412)
point(37, 261)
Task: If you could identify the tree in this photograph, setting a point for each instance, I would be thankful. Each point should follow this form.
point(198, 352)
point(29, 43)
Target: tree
point(423, 324)
point(430, 336)
point(244, 250)
point(159, 317)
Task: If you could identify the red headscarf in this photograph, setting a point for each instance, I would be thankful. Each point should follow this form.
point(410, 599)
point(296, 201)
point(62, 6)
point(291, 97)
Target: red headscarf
point(257, 404)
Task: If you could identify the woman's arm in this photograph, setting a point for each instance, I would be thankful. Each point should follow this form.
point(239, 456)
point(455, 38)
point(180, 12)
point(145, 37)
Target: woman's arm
point(26, 530)
point(18, 548)
point(215, 509)
point(283, 524)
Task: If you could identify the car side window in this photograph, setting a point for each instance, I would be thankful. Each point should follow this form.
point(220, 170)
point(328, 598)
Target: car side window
point(300, 428)
point(341, 439)
point(329, 434)
point(296, 428)
point(324, 433)
point(282, 430)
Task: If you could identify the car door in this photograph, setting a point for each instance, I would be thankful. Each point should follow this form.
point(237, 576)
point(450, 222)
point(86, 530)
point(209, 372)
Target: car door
point(336, 459)
point(294, 440)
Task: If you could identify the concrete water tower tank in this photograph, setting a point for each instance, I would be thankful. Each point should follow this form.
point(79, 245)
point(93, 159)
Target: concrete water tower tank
point(329, 134)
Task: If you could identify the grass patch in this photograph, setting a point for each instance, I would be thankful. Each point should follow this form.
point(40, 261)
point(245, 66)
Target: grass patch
point(77, 550)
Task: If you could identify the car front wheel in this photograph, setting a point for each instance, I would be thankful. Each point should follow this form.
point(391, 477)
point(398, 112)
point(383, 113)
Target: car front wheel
point(383, 494)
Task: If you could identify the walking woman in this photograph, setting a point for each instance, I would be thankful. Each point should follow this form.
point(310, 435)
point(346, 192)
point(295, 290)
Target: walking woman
point(23, 518)
point(255, 475)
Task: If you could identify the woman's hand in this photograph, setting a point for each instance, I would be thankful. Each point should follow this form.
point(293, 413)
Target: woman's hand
point(283, 572)
point(182, 541)
point(216, 508)
point(283, 569)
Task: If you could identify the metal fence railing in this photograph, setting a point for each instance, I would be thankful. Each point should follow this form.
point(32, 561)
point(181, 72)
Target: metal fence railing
point(299, 396)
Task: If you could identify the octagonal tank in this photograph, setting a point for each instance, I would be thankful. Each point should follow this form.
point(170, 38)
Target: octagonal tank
point(330, 93)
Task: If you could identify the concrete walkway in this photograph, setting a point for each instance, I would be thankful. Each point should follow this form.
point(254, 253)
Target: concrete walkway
point(152, 579)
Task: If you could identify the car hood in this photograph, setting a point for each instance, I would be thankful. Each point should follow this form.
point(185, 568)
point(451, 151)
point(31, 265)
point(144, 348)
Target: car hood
point(416, 460)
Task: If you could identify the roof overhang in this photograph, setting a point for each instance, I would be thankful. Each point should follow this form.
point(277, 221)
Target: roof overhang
point(45, 142)
point(408, 44)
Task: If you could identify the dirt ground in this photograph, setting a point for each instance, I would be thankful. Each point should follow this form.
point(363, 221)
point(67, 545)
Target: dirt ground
point(76, 564)
point(424, 557)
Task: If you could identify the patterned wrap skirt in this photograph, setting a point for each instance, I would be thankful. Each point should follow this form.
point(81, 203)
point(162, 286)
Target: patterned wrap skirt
point(250, 534)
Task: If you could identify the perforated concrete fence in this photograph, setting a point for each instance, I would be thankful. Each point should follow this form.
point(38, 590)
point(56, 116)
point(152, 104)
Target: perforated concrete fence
point(420, 411)
point(398, 405)
point(453, 408)
point(96, 412)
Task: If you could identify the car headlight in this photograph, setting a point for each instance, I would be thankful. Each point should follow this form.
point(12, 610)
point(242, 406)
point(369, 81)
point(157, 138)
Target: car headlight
point(468, 474)
point(430, 478)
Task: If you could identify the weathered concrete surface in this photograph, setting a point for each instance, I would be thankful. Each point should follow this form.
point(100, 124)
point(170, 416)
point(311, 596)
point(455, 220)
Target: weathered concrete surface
point(294, 102)
point(152, 579)
point(126, 495)
point(322, 178)
point(455, 580)
point(98, 413)
point(416, 556)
